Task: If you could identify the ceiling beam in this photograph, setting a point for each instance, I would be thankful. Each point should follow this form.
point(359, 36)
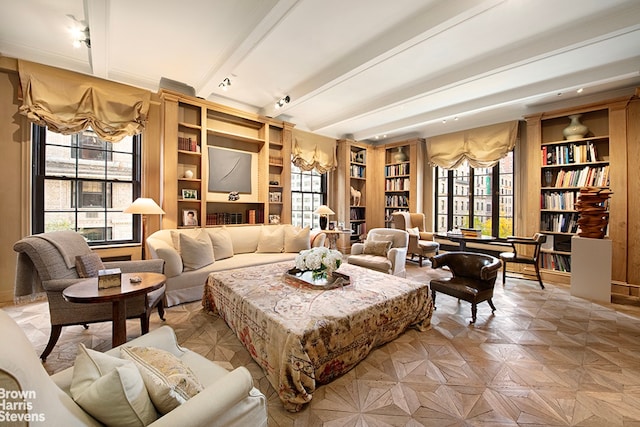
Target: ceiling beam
point(97, 13)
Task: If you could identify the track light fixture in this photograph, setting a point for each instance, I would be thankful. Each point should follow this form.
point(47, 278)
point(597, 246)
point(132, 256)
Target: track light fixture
point(224, 85)
point(81, 36)
point(282, 102)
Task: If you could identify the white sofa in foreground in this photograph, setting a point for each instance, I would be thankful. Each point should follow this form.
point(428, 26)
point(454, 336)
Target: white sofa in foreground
point(191, 254)
point(228, 398)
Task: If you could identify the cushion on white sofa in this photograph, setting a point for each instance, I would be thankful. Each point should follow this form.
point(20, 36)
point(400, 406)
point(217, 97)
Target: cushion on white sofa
point(222, 243)
point(175, 236)
point(111, 389)
point(296, 239)
point(271, 240)
point(245, 238)
point(168, 380)
point(196, 252)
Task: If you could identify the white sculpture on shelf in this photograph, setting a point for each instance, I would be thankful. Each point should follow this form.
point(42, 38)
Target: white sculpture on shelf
point(355, 195)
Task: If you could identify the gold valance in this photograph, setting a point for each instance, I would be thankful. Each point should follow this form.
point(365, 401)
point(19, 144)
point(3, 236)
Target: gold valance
point(311, 151)
point(482, 147)
point(69, 102)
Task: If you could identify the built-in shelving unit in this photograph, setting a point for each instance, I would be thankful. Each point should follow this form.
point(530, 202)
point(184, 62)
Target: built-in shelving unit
point(200, 138)
point(403, 169)
point(566, 166)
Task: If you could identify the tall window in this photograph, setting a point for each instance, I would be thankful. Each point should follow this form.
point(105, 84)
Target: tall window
point(308, 192)
point(476, 198)
point(83, 183)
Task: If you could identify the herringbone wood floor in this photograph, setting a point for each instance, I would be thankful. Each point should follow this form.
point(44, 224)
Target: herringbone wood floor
point(544, 358)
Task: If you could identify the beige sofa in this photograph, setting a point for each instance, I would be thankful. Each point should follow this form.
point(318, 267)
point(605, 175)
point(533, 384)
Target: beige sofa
point(188, 267)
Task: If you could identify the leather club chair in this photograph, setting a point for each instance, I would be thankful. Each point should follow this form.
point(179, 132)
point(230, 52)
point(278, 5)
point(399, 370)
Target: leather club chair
point(46, 262)
point(473, 278)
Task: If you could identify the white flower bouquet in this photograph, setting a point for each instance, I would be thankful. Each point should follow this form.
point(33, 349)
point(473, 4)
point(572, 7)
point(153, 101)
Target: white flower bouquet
point(321, 261)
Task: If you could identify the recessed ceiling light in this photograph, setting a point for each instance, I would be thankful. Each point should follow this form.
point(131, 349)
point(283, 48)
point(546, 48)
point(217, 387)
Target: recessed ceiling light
point(580, 90)
point(444, 120)
point(559, 93)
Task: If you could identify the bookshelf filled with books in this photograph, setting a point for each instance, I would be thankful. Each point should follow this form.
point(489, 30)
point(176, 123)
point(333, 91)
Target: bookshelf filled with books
point(574, 153)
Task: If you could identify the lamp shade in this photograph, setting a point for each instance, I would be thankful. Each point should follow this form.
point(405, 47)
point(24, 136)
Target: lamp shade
point(324, 210)
point(143, 205)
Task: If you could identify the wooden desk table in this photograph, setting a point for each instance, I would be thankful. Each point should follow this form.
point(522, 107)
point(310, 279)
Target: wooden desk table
point(87, 292)
point(462, 239)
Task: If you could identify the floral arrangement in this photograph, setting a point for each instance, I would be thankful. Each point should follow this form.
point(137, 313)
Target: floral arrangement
point(321, 261)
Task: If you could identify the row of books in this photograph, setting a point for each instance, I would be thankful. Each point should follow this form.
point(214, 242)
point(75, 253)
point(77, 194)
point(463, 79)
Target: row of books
point(359, 156)
point(358, 229)
point(253, 216)
point(568, 154)
point(396, 184)
point(188, 144)
point(559, 222)
point(397, 170)
point(357, 171)
point(564, 200)
point(396, 200)
point(556, 262)
point(587, 176)
point(275, 160)
point(356, 214)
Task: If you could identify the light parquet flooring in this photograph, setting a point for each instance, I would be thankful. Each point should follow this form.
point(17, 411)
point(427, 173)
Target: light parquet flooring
point(544, 358)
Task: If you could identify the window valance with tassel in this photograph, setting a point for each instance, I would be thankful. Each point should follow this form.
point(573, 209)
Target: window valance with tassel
point(69, 102)
point(311, 151)
point(481, 147)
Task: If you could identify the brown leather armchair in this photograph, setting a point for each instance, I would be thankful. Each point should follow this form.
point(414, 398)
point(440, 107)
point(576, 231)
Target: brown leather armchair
point(46, 263)
point(421, 243)
point(474, 276)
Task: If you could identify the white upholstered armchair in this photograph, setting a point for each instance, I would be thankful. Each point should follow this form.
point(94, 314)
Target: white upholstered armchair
point(385, 250)
point(228, 398)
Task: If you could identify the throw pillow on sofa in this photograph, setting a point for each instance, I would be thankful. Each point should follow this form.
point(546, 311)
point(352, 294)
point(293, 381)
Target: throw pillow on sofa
point(295, 239)
point(175, 236)
point(196, 253)
point(111, 389)
point(271, 239)
point(169, 382)
point(222, 243)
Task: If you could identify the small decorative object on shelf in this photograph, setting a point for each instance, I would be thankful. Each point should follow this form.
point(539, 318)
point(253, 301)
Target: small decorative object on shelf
point(593, 213)
point(575, 130)
point(189, 194)
point(234, 196)
point(188, 174)
point(400, 156)
point(355, 196)
point(321, 261)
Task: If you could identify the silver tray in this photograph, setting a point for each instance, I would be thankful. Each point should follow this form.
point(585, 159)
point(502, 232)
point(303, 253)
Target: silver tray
point(301, 278)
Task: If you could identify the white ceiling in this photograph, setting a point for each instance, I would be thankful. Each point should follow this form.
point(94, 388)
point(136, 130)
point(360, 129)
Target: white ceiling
point(366, 69)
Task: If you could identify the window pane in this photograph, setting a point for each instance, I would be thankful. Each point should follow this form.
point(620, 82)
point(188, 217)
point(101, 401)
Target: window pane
point(442, 195)
point(85, 184)
point(461, 196)
point(506, 196)
point(482, 193)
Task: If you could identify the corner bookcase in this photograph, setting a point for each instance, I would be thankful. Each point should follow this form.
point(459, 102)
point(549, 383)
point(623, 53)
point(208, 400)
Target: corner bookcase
point(566, 164)
point(196, 134)
point(403, 170)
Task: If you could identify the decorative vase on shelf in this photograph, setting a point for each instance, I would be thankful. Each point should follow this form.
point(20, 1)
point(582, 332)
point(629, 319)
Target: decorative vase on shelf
point(575, 130)
point(188, 174)
point(399, 156)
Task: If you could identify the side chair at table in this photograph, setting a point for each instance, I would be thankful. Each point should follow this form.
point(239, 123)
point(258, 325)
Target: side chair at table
point(534, 244)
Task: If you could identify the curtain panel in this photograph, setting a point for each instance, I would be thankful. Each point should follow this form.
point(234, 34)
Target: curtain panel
point(69, 102)
point(482, 147)
point(311, 151)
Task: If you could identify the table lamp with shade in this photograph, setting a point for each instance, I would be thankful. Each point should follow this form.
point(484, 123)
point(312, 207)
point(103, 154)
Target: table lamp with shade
point(324, 212)
point(144, 206)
